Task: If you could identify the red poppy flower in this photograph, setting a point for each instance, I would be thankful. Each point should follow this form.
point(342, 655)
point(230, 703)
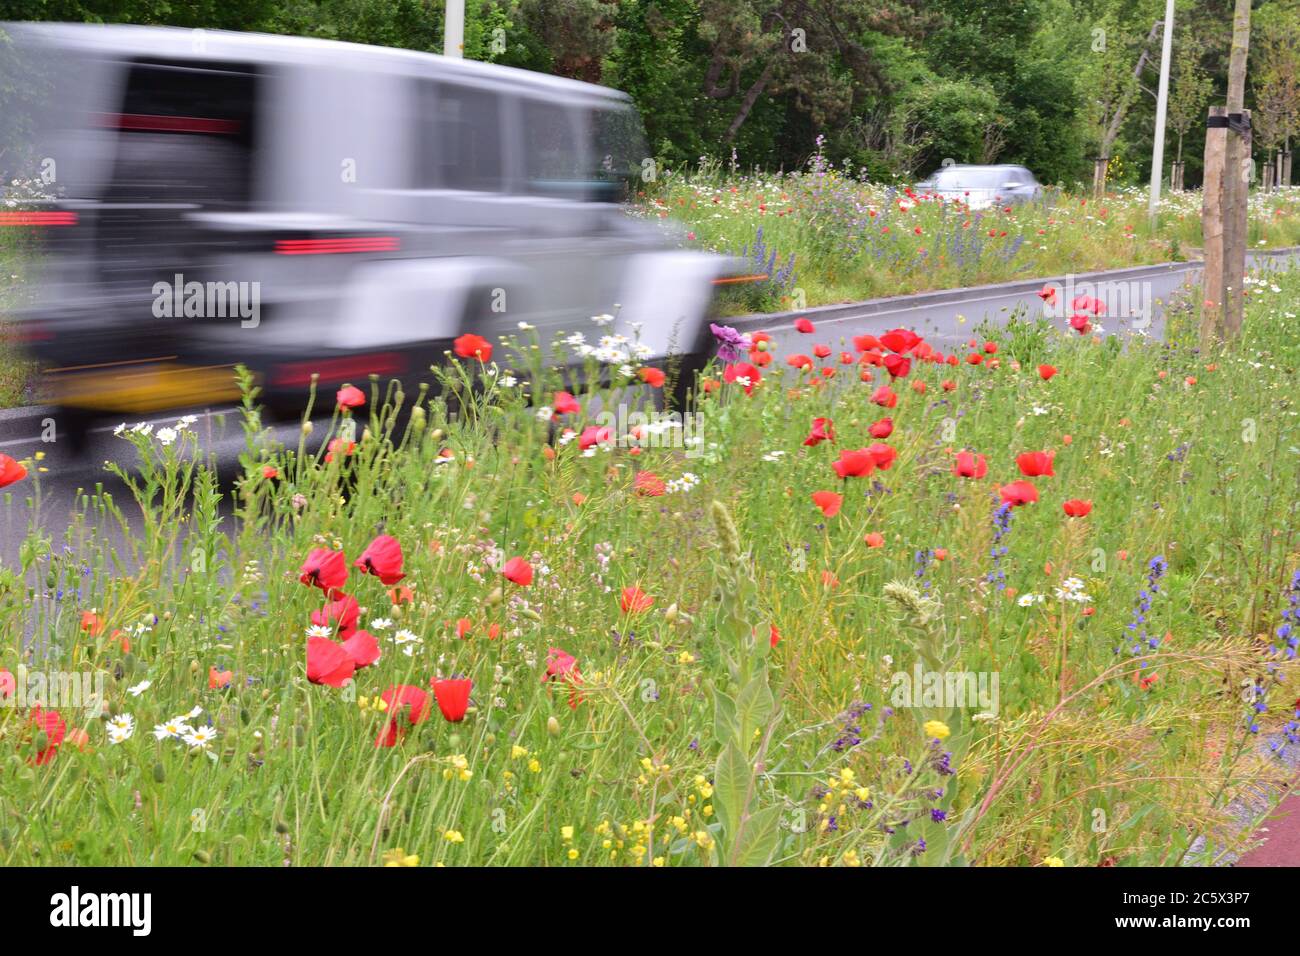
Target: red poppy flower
point(1080, 324)
point(518, 571)
point(882, 429)
point(1036, 464)
point(473, 346)
point(49, 723)
point(219, 679)
point(463, 626)
point(453, 697)
point(652, 376)
point(407, 706)
point(749, 373)
point(562, 666)
point(883, 455)
point(804, 326)
point(383, 559)
point(975, 358)
point(90, 622)
point(1018, 493)
point(270, 471)
point(872, 357)
point(799, 361)
point(864, 343)
point(948, 385)
point(328, 663)
point(900, 340)
point(990, 348)
point(341, 613)
point(970, 465)
point(1087, 303)
point(823, 429)
point(634, 601)
point(648, 485)
point(349, 396)
point(897, 366)
point(1077, 507)
point(941, 554)
point(855, 464)
point(875, 539)
point(566, 404)
point(8, 686)
point(828, 501)
point(1048, 294)
point(774, 636)
point(885, 397)
point(595, 435)
point(559, 664)
point(362, 648)
point(821, 351)
point(338, 445)
point(1046, 372)
point(10, 471)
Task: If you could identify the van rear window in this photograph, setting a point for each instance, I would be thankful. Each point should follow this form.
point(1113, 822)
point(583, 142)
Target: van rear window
point(187, 134)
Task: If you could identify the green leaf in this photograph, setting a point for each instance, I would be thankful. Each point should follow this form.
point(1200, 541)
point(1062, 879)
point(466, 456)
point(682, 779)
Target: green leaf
point(758, 841)
point(725, 728)
point(731, 779)
point(754, 706)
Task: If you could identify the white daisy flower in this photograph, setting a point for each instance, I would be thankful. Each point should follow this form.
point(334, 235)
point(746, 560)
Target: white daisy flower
point(200, 737)
point(176, 727)
point(139, 688)
point(320, 630)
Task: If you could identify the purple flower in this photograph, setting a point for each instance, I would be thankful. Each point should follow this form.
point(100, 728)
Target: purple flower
point(730, 342)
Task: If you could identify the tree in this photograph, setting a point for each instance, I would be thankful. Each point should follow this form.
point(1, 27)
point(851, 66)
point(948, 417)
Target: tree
point(1190, 87)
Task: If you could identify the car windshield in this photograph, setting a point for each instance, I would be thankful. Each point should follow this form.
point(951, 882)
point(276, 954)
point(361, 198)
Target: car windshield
point(953, 177)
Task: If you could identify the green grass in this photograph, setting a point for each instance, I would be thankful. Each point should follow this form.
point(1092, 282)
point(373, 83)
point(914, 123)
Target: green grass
point(689, 741)
point(15, 368)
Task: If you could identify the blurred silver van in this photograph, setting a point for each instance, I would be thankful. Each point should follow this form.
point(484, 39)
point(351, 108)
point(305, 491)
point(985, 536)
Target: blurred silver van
point(312, 207)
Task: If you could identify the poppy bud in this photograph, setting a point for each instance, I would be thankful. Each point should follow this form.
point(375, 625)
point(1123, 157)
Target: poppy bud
point(194, 667)
point(159, 774)
point(281, 827)
point(496, 596)
point(43, 741)
point(202, 856)
point(436, 434)
point(552, 726)
point(307, 428)
point(670, 615)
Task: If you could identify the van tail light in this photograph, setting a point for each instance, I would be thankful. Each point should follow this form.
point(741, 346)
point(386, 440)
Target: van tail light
point(338, 369)
point(333, 247)
point(733, 280)
point(144, 123)
point(38, 218)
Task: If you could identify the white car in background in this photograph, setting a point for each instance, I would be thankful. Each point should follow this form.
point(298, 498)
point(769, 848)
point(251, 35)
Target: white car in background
point(980, 187)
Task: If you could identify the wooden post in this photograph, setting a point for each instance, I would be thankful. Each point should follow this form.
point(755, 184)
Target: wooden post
point(1286, 167)
point(1238, 174)
point(1099, 176)
point(1216, 139)
point(1267, 178)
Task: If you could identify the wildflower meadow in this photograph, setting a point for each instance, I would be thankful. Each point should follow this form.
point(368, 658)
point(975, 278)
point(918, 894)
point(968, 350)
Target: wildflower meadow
point(1024, 599)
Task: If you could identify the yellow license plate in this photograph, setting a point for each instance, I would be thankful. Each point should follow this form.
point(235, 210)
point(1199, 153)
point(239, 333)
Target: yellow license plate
point(144, 387)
